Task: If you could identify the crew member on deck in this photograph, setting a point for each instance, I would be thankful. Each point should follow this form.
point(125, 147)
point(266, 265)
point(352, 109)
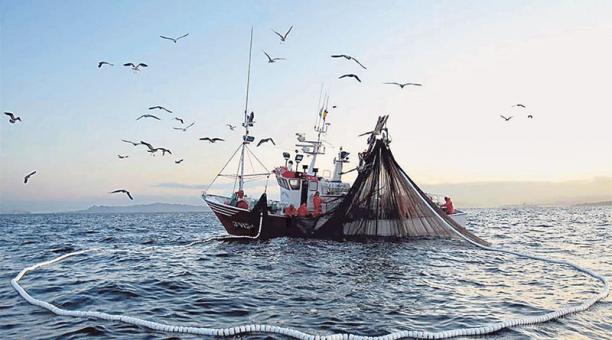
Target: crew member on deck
point(242, 203)
point(290, 211)
point(317, 201)
point(448, 206)
point(302, 210)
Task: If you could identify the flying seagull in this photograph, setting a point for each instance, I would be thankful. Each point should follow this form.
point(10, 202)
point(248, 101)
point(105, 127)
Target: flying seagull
point(178, 161)
point(179, 119)
point(212, 140)
point(136, 67)
point(520, 105)
point(348, 57)
point(185, 128)
point(283, 37)
point(163, 150)
point(506, 118)
point(159, 108)
point(530, 116)
point(27, 177)
point(350, 75)
point(127, 141)
point(174, 39)
point(404, 84)
point(151, 148)
point(272, 60)
point(12, 118)
point(124, 192)
point(264, 140)
point(104, 63)
point(122, 157)
point(230, 126)
point(148, 116)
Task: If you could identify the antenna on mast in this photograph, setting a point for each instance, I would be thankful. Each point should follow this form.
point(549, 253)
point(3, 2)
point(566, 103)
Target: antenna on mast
point(246, 103)
point(248, 119)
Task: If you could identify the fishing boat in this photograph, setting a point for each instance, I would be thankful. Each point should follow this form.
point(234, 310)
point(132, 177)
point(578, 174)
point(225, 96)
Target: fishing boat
point(412, 215)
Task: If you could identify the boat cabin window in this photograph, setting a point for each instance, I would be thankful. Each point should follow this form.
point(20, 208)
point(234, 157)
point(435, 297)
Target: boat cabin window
point(294, 183)
point(313, 186)
point(282, 182)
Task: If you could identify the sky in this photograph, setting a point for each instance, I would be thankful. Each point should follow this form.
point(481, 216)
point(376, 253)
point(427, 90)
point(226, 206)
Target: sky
point(475, 60)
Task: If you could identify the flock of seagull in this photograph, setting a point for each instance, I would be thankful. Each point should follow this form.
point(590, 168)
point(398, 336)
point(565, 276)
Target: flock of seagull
point(153, 150)
point(283, 38)
point(136, 67)
point(507, 118)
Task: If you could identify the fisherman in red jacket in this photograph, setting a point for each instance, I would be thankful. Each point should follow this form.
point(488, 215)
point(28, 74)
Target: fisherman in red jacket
point(242, 203)
point(290, 211)
point(450, 209)
point(316, 202)
point(302, 210)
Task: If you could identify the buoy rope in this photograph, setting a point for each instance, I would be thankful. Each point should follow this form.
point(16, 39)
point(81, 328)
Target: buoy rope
point(294, 333)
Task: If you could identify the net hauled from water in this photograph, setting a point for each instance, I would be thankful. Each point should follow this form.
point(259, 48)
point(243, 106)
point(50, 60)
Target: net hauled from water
point(385, 202)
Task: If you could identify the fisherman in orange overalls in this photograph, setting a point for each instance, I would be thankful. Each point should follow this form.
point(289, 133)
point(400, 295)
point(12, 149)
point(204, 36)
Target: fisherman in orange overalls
point(290, 211)
point(302, 210)
point(450, 209)
point(316, 202)
point(242, 203)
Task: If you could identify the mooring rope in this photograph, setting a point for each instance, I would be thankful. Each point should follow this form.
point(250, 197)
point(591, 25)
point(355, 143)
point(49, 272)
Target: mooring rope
point(269, 329)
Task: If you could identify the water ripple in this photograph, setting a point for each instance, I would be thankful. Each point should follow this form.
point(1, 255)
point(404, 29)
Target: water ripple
point(369, 288)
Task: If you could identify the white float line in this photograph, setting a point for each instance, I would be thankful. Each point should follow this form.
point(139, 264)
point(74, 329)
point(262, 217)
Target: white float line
point(261, 328)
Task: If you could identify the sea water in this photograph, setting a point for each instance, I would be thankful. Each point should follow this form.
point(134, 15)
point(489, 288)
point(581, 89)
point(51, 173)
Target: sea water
point(316, 286)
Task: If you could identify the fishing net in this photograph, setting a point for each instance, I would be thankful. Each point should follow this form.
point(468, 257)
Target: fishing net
point(384, 201)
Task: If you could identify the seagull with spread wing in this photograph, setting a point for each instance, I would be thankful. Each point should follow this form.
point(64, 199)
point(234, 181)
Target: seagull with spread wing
point(12, 118)
point(159, 108)
point(185, 128)
point(272, 60)
point(148, 116)
point(212, 140)
point(265, 140)
point(179, 119)
point(520, 105)
point(122, 157)
point(102, 63)
point(230, 126)
point(506, 118)
point(174, 39)
point(350, 76)
point(136, 67)
point(127, 141)
point(178, 161)
point(148, 145)
point(27, 177)
point(281, 36)
point(163, 150)
point(404, 84)
point(348, 57)
point(123, 191)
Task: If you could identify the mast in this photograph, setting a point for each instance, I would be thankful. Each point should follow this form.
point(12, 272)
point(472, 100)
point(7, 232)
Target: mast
point(247, 119)
point(320, 128)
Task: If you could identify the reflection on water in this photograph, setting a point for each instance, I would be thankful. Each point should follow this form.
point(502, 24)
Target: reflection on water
point(368, 288)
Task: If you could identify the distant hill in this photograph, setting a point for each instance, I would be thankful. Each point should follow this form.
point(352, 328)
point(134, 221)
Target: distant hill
point(594, 204)
point(144, 208)
point(14, 212)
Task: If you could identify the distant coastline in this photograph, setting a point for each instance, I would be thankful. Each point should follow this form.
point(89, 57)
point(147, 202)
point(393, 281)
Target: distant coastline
point(143, 208)
point(594, 204)
point(178, 208)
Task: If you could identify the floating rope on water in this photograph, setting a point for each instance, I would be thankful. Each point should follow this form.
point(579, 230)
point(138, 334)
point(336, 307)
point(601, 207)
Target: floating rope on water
point(269, 329)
